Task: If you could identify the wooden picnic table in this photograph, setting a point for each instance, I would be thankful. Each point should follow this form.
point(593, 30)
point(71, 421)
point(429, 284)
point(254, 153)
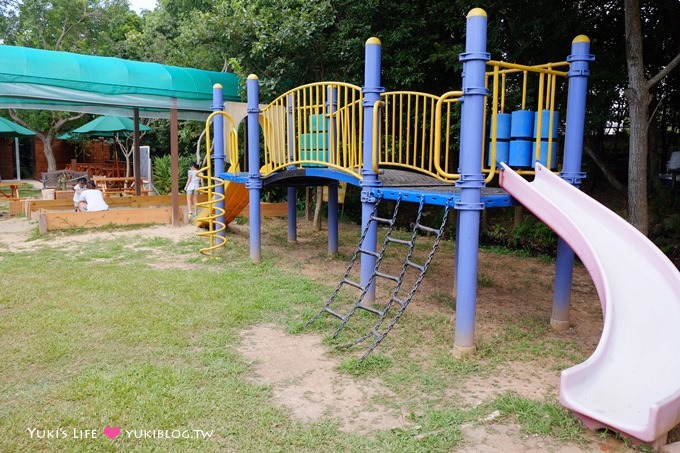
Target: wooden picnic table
point(117, 185)
point(13, 187)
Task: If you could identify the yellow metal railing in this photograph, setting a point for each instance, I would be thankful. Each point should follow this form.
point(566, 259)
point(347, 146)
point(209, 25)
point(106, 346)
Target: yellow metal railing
point(416, 133)
point(448, 158)
point(314, 125)
point(212, 212)
point(540, 82)
point(321, 124)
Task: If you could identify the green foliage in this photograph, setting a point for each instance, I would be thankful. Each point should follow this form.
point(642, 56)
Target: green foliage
point(531, 235)
point(162, 172)
point(90, 27)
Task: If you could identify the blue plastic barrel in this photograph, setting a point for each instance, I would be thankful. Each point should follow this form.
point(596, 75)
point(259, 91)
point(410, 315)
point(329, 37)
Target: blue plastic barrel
point(520, 153)
point(522, 135)
point(544, 154)
point(502, 152)
point(544, 134)
point(522, 124)
point(502, 139)
point(545, 124)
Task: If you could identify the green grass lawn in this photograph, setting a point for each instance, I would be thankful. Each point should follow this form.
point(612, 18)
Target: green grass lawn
point(94, 336)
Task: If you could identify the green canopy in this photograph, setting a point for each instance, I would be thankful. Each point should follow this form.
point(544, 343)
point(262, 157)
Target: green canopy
point(51, 80)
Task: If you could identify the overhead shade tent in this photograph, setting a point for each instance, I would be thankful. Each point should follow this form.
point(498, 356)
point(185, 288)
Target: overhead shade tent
point(51, 80)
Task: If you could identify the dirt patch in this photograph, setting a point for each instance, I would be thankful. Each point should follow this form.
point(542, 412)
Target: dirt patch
point(18, 234)
point(305, 380)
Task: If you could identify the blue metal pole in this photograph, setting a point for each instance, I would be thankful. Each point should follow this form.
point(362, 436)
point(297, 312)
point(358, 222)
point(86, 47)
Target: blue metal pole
point(471, 178)
point(292, 191)
point(571, 172)
point(331, 146)
point(254, 183)
point(371, 92)
point(218, 151)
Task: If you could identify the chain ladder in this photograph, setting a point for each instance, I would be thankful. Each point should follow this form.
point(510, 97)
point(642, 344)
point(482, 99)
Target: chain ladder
point(345, 279)
point(378, 336)
point(418, 227)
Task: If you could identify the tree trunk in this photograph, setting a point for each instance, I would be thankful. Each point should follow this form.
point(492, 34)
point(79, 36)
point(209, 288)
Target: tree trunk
point(638, 97)
point(317, 209)
point(47, 150)
point(308, 205)
point(608, 174)
point(47, 137)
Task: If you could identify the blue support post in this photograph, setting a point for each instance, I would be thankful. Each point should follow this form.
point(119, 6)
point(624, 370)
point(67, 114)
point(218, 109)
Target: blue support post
point(254, 183)
point(218, 146)
point(331, 141)
point(292, 191)
point(573, 152)
point(333, 218)
point(471, 179)
point(371, 91)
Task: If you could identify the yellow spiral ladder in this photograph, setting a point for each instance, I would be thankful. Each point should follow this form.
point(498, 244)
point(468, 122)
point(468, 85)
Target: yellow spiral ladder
point(212, 213)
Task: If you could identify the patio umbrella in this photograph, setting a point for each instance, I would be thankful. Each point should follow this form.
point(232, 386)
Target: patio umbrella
point(10, 129)
point(106, 125)
point(110, 126)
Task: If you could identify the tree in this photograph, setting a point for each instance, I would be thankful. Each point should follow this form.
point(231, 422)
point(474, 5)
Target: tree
point(125, 142)
point(639, 98)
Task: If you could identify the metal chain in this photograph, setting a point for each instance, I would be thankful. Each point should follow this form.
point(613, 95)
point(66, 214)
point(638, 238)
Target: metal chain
point(379, 336)
point(335, 293)
point(371, 280)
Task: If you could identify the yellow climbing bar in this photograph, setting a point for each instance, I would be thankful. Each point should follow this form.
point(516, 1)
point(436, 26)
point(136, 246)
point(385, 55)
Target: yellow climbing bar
point(212, 211)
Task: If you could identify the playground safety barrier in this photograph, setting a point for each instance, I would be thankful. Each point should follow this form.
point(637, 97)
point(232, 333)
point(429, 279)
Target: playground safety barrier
point(318, 124)
point(321, 125)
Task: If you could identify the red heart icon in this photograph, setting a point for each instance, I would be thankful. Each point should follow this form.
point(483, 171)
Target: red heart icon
point(111, 433)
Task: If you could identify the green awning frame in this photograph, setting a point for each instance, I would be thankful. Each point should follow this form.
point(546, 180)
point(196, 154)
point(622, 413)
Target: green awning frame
point(52, 80)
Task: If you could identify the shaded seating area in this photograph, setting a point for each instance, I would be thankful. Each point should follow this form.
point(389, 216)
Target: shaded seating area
point(61, 178)
point(95, 169)
point(112, 86)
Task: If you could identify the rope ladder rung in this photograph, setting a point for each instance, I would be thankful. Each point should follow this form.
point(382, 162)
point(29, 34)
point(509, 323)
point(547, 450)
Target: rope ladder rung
point(352, 283)
point(370, 252)
point(400, 241)
point(382, 220)
point(394, 278)
point(421, 268)
point(427, 229)
point(375, 311)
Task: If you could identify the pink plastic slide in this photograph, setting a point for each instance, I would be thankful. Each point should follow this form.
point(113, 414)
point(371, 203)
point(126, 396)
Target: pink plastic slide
point(631, 383)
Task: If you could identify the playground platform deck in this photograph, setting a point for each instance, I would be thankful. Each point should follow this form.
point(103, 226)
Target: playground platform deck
point(407, 185)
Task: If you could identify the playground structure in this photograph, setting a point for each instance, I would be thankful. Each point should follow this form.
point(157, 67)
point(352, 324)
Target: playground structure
point(400, 146)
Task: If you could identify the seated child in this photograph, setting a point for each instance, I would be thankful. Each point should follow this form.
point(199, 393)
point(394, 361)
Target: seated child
point(92, 199)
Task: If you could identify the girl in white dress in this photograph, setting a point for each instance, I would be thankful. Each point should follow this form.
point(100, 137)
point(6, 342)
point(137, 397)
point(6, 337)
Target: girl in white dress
point(191, 188)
